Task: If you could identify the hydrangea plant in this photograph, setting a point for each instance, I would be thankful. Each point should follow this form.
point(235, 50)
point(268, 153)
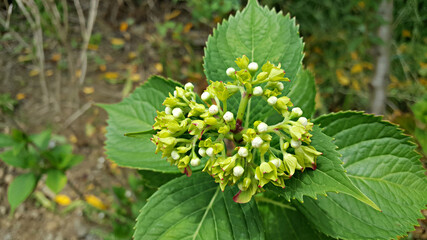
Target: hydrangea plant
point(255, 164)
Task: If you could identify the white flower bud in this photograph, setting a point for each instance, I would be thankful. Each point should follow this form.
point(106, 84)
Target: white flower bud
point(177, 112)
point(257, 142)
point(295, 144)
point(277, 162)
point(228, 116)
point(256, 177)
point(205, 96)
point(280, 86)
point(297, 111)
point(175, 155)
point(262, 127)
point(202, 152)
point(230, 71)
point(213, 109)
point(243, 152)
point(303, 121)
point(210, 152)
point(189, 86)
point(253, 66)
point(258, 91)
point(238, 171)
point(195, 162)
point(272, 100)
point(168, 110)
point(174, 93)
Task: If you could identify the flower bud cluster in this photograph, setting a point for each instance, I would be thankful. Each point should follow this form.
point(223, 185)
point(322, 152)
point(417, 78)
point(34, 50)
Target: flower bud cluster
point(192, 132)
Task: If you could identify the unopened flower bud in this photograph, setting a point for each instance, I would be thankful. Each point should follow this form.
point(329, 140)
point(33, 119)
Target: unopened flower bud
point(210, 152)
point(258, 91)
point(230, 71)
point(205, 96)
point(213, 109)
point(238, 171)
point(297, 111)
point(177, 112)
point(189, 86)
point(272, 100)
point(303, 121)
point(253, 66)
point(256, 177)
point(243, 152)
point(175, 155)
point(277, 162)
point(228, 116)
point(195, 162)
point(257, 142)
point(295, 144)
point(168, 110)
point(202, 152)
point(262, 127)
point(174, 93)
point(280, 86)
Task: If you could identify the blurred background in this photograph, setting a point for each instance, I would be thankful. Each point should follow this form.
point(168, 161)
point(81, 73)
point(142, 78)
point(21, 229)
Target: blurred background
point(58, 58)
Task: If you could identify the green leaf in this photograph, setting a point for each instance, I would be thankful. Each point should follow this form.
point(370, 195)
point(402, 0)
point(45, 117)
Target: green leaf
point(262, 35)
point(282, 221)
point(20, 188)
point(328, 177)
point(136, 113)
point(381, 161)
point(41, 140)
point(6, 140)
point(195, 208)
point(15, 159)
point(303, 93)
point(56, 180)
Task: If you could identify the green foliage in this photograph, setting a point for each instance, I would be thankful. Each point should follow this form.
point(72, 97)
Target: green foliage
point(283, 220)
point(7, 104)
point(380, 161)
point(20, 188)
point(136, 113)
point(328, 177)
point(205, 11)
point(380, 169)
point(195, 208)
point(38, 154)
point(262, 35)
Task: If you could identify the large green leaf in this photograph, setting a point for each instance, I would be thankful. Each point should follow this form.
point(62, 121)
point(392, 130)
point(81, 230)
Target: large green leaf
point(303, 93)
point(262, 35)
point(381, 161)
point(56, 180)
point(20, 188)
point(282, 221)
point(195, 208)
point(328, 177)
point(136, 113)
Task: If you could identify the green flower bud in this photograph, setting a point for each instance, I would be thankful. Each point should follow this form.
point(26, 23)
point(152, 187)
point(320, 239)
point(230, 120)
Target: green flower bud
point(238, 171)
point(242, 62)
point(230, 72)
point(202, 152)
point(258, 91)
point(195, 162)
point(189, 86)
point(224, 129)
point(253, 66)
point(177, 112)
point(272, 100)
point(211, 121)
point(205, 96)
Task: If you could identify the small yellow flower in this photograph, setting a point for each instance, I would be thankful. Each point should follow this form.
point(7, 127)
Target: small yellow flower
point(62, 200)
point(95, 201)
